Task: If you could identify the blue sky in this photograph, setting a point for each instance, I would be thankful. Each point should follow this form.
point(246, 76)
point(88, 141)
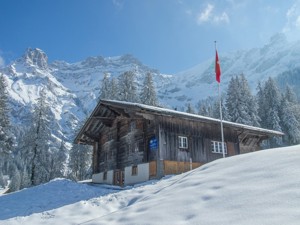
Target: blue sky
point(169, 35)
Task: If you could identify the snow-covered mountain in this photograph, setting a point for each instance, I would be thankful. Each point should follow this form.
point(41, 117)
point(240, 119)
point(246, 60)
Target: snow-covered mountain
point(276, 59)
point(73, 88)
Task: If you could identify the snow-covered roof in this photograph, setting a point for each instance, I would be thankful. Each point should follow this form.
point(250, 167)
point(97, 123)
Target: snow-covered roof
point(165, 111)
point(170, 112)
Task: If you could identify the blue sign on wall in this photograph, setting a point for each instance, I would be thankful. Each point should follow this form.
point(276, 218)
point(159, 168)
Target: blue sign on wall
point(153, 144)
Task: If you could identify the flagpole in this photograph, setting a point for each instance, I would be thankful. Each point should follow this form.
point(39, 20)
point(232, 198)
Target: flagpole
point(221, 116)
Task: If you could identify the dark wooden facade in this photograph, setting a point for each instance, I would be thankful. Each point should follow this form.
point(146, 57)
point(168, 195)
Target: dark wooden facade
point(125, 134)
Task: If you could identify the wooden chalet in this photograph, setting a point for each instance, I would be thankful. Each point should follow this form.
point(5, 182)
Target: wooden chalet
point(134, 142)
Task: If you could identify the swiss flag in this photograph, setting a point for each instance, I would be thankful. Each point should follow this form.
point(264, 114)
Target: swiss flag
point(218, 68)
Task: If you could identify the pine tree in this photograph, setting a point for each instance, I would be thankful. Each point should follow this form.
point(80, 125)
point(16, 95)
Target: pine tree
point(190, 109)
point(59, 157)
point(249, 100)
point(80, 161)
point(206, 107)
point(6, 136)
point(272, 98)
point(114, 93)
point(25, 179)
point(235, 104)
point(289, 123)
point(127, 87)
point(15, 183)
point(105, 87)
point(216, 110)
point(241, 105)
point(262, 110)
point(290, 95)
point(203, 110)
point(35, 149)
point(232, 100)
point(2, 183)
point(148, 94)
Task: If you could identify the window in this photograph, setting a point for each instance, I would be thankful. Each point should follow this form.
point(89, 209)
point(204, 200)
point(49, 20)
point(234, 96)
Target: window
point(105, 175)
point(216, 147)
point(183, 142)
point(134, 170)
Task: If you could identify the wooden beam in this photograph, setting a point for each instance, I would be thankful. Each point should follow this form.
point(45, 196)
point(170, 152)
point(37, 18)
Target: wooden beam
point(90, 136)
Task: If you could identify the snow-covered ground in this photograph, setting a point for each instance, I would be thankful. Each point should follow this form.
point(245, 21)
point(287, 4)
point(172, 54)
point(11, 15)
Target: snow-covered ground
point(256, 188)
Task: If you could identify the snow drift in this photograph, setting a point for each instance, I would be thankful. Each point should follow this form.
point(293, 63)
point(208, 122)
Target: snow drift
point(255, 188)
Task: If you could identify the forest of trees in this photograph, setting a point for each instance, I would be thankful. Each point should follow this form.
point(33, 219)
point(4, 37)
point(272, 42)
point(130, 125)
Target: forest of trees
point(125, 88)
point(271, 108)
point(29, 158)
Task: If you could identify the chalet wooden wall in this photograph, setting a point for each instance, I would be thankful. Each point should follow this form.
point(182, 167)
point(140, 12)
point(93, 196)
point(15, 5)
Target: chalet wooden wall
point(125, 143)
point(125, 134)
point(199, 137)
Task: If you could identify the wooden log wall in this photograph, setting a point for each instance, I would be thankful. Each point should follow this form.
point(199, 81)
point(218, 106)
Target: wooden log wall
point(199, 137)
point(173, 167)
point(125, 143)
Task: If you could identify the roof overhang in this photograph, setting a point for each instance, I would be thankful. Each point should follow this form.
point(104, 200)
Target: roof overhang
point(107, 110)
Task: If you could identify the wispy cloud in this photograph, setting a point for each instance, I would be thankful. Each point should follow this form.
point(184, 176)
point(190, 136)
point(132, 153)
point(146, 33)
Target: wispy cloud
point(2, 62)
point(119, 4)
point(292, 26)
point(208, 15)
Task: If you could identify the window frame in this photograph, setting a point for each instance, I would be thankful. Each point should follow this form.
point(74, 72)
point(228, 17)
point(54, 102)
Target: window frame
point(216, 147)
point(134, 170)
point(105, 175)
point(183, 142)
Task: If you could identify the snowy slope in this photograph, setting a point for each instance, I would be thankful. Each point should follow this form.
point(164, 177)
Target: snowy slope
point(255, 188)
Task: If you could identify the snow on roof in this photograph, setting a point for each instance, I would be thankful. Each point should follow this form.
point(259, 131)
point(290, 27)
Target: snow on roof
point(188, 116)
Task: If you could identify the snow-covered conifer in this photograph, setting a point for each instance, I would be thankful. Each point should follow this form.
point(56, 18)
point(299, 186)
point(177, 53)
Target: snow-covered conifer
point(105, 87)
point(241, 105)
point(262, 107)
point(249, 100)
point(25, 179)
point(148, 93)
point(289, 123)
point(290, 95)
point(206, 107)
point(59, 157)
point(80, 161)
point(35, 150)
point(216, 110)
point(6, 136)
point(190, 108)
point(127, 87)
point(2, 183)
point(114, 92)
point(271, 108)
point(15, 183)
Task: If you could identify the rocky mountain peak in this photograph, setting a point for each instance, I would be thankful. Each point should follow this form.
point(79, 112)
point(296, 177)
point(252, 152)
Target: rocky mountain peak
point(36, 57)
point(93, 61)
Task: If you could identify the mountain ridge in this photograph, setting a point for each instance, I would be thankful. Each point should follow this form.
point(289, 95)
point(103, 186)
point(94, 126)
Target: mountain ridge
point(73, 88)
